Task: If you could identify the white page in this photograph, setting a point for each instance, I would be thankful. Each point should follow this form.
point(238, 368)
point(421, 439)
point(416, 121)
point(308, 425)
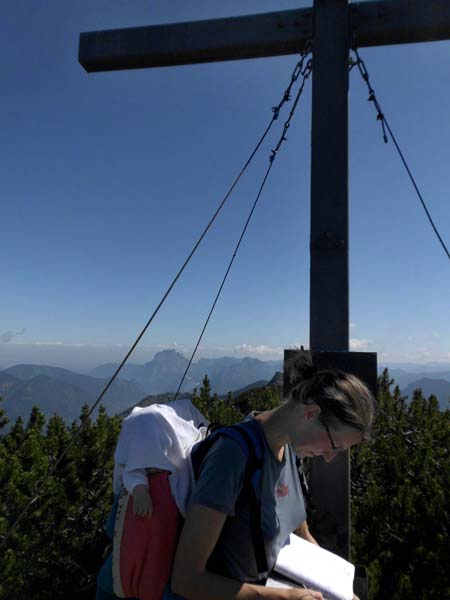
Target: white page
point(285, 584)
point(316, 567)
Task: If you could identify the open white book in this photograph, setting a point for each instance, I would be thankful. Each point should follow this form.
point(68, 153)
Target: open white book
point(317, 568)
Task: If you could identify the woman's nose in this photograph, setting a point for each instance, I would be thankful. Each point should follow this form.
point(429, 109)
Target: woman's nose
point(328, 456)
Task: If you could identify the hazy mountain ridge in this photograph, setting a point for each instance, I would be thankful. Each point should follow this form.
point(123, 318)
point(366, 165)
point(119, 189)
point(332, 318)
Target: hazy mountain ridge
point(404, 378)
point(51, 395)
point(430, 386)
point(60, 391)
point(63, 391)
point(163, 374)
point(7, 381)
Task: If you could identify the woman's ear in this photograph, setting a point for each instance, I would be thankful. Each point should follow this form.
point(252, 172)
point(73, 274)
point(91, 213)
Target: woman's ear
point(311, 411)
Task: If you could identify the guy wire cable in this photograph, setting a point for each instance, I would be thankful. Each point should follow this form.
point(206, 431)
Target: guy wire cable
point(381, 117)
point(306, 72)
point(298, 69)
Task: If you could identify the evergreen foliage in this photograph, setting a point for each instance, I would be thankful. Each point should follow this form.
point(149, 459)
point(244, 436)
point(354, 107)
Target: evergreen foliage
point(60, 544)
point(400, 498)
point(215, 410)
point(400, 508)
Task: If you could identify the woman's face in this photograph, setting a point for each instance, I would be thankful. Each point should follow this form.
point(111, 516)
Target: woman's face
point(320, 446)
point(315, 438)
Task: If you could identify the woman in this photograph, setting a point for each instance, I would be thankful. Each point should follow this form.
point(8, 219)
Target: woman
point(326, 412)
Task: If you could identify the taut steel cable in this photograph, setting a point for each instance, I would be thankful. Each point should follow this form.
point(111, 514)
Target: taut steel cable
point(298, 69)
point(385, 125)
point(305, 72)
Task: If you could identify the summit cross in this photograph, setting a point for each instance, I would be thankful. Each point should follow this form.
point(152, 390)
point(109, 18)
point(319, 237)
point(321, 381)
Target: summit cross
point(332, 27)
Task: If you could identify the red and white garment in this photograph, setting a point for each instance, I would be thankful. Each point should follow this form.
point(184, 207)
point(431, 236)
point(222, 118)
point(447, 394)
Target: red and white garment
point(144, 547)
point(160, 437)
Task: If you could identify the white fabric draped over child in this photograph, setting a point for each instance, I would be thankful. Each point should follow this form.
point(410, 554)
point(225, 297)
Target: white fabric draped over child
point(159, 436)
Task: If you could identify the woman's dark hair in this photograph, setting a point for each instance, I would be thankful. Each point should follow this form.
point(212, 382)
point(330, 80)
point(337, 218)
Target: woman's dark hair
point(341, 396)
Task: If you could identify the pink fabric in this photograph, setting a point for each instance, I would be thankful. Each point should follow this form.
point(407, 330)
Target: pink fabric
point(148, 545)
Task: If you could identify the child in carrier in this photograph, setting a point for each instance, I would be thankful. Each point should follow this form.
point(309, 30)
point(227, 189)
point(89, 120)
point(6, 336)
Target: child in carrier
point(152, 483)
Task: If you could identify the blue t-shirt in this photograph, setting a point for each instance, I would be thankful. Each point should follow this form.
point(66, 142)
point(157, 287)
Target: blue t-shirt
point(220, 487)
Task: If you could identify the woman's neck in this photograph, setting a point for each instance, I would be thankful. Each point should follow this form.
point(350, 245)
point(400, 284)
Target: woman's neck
point(273, 424)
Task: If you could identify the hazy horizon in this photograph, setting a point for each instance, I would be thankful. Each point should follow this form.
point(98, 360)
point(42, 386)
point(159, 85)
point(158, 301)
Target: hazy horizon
point(84, 357)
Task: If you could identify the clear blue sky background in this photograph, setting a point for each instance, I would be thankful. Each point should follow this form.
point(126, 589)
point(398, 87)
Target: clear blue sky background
point(108, 179)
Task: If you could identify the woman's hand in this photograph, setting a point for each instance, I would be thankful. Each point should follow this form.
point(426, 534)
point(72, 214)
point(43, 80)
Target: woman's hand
point(302, 594)
point(142, 502)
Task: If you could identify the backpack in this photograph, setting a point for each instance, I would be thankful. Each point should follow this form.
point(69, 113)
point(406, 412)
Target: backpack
point(144, 548)
point(248, 436)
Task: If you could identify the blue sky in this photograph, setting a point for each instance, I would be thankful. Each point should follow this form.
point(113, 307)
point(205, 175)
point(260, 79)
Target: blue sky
point(108, 179)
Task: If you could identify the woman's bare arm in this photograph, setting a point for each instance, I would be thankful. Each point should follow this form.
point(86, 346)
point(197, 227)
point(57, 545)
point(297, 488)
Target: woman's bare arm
point(303, 532)
point(193, 581)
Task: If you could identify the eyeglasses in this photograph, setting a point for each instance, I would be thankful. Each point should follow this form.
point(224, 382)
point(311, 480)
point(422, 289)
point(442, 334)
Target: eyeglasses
point(332, 444)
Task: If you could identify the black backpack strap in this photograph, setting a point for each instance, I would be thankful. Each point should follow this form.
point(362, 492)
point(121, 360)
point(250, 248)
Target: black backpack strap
point(248, 436)
point(253, 476)
point(303, 481)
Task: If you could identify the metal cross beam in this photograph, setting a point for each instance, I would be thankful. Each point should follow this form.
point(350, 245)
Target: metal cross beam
point(272, 34)
point(333, 26)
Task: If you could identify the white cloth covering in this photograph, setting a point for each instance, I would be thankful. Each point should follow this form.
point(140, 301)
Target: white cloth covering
point(131, 479)
point(159, 436)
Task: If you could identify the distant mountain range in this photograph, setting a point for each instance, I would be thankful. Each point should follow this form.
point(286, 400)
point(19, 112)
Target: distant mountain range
point(164, 372)
point(62, 391)
point(404, 378)
point(438, 387)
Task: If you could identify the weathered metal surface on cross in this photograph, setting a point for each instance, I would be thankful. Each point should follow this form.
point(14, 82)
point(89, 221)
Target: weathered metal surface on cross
point(256, 36)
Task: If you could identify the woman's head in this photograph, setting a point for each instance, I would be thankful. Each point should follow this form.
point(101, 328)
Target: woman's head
point(343, 399)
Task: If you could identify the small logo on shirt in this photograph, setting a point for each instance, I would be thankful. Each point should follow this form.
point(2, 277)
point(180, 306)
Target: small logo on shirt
point(282, 490)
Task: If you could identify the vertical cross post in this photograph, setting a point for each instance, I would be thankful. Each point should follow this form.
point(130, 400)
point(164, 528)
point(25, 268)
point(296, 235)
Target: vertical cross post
point(329, 282)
